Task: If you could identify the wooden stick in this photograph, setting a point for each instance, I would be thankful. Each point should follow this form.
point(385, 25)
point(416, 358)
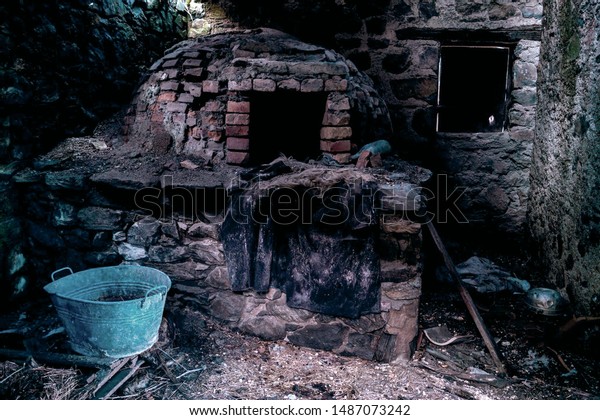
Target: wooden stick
point(560, 359)
point(118, 380)
point(572, 323)
point(114, 369)
point(466, 297)
point(166, 369)
point(14, 373)
point(57, 358)
point(189, 371)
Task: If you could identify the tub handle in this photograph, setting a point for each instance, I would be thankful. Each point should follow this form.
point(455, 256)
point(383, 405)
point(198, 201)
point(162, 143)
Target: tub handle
point(53, 275)
point(162, 289)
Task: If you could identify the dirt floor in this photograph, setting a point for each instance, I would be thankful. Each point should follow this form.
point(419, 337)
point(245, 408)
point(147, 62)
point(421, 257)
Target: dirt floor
point(196, 358)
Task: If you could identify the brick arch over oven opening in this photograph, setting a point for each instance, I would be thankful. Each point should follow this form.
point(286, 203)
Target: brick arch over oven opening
point(262, 125)
point(198, 101)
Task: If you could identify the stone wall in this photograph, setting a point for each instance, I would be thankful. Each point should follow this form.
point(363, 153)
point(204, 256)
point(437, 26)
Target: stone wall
point(66, 65)
point(12, 259)
point(564, 181)
point(493, 167)
point(397, 43)
point(85, 216)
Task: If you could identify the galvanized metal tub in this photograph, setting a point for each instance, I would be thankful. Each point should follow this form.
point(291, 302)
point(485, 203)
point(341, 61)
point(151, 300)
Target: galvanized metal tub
point(110, 311)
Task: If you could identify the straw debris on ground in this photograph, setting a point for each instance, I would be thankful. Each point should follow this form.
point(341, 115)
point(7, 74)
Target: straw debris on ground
point(197, 358)
point(31, 381)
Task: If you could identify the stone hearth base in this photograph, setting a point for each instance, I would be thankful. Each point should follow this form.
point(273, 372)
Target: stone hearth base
point(83, 215)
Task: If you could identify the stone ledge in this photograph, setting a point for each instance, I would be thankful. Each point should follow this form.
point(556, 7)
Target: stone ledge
point(201, 179)
point(127, 180)
point(66, 180)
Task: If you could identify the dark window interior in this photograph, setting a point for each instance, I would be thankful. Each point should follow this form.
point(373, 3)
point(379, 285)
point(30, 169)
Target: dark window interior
point(472, 88)
point(287, 123)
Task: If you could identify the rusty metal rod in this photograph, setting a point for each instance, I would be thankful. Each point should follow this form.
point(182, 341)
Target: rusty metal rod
point(466, 297)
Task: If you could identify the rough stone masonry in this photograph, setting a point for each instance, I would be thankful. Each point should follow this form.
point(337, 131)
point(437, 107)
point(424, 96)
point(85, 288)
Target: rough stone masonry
point(83, 215)
point(564, 193)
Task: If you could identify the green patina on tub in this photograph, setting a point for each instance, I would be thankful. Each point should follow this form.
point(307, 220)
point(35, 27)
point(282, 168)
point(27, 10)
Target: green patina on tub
point(110, 311)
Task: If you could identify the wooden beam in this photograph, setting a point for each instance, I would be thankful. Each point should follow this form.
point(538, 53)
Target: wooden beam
point(471, 35)
point(466, 296)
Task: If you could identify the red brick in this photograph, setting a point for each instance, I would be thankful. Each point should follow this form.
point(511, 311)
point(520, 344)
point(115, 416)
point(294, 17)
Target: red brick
point(237, 130)
point(264, 85)
point(237, 119)
point(192, 54)
point(214, 135)
point(336, 119)
point(338, 104)
point(290, 84)
point(177, 107)
point(336, 133)
point(190, 62)
point(238, 143)
point(185, 98)
point(241, 86)
point(336, 146)
point(238, 107)
point(173, 54)
point(311, 85)
point(170, 63)
point(238, 158)
point(193, 89)
point(192, 118)
point(333, 85)
point(166, 97)
point(210, 86)
point(193, 73)
point(170, 85)
point(169, 74)
point(213, 106)
point(157, 116)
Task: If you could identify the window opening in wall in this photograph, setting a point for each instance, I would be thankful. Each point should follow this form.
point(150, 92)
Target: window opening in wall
point(287, 123)
point(472, 88)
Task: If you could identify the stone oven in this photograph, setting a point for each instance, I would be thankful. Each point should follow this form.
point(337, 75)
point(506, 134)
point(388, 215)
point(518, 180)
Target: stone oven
point(245, 98)
point(298, 246)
